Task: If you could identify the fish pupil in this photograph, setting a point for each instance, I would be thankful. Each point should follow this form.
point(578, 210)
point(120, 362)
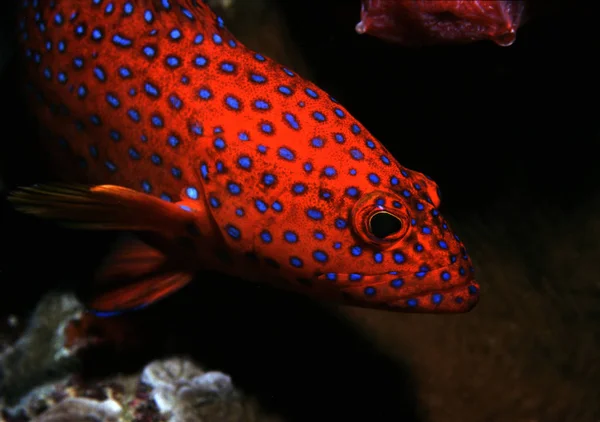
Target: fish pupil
point(383, 224)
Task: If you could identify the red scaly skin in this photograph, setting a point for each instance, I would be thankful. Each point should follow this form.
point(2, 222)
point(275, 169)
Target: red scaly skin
point(159, 97)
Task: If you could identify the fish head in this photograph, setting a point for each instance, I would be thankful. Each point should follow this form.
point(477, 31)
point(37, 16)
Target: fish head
point(368, 232)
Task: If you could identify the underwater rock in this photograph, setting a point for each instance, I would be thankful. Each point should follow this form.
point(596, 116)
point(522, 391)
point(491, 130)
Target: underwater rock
point(82, 409)
point(39, 355)
point(183, 392)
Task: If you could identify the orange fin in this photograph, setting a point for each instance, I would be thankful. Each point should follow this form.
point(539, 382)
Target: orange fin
point(103, 207)
point(133, 276)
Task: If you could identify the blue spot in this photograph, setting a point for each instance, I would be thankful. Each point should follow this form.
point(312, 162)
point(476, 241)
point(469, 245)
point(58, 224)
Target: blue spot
point(219, 143)
point(356, 250)
point(426, 230)
point(399, 258)
point(62, 77)
point(397, 283)
point(112, 100)
point(232, 102)
point(156, 160)
point(296, 262)
point(320, 256)
point(110, 166)
point(78, 62)
point(373, 178)
point(232, 44)
point(157, 121)
point(287, 71)
point(355, 129)
point(233, 231)
point(261, 206)
point(291, 119)
point(277, 206)
point(436, 298)
point(234, 188)
point(148, 16)
point(421, 274)
point(385, 160)
point(443, 244)
point(317, 142)
point(329, 171)
point(370, 291)
point(204, 94)
point(286, 154)
point(396, 204)
point(149, 51)
point(290, 237)
point(266, 236)
point(370, 144)
point(259, 57)
point(356, 154)
point(445, 276)
point(151, 89)
point(406, 193)
point(175, 101)
point(319, 235)
point(99, 73)
point(214, 202)
point(47, 73)
point(128, 8)
point(285, 90)
point(331, 276)
point(95, 119)
point(340, 223)
point(320, 117)
point(58, 19)
point(245, 162)
point(308, 167)
point(97, 34)
point(173, 140)
point(191, 192)
point(124, 72)
point(204, 171)
point(394, 180)
point(311, 93)
point(266, 128)
point(198, 39)
point(314, 214)
point(80, 29)
point(227, 67)
point(299, 188)
point(259, 79)
point(200, 61)
point(472, 290)
point(133, 153)
point(352, 191)
point(339, 138)
point(146, 186)
point(175, 34)
point(378, 257)
point(217, 39)
point(355, 277)
point(337, 245)
point(173, 61)
point(412, 302)
point(239, 212)
point(269, 179)
point(115, 135)
point(262, 149)
point(176, 172)
point(196, 129)
point(418, 247)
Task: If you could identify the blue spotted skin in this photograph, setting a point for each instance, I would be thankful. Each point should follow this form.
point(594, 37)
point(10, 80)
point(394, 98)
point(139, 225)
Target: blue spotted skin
point(285, 186)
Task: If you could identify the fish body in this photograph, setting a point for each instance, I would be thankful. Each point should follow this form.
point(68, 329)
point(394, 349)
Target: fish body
point(423, 22)
point(223, 159)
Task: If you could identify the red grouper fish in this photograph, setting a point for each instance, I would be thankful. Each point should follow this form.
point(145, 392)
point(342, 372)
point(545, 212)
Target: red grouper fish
point(423, 22)
point(158, 122)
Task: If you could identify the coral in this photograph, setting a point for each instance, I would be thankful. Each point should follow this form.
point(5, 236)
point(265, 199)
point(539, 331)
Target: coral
point(82, 409)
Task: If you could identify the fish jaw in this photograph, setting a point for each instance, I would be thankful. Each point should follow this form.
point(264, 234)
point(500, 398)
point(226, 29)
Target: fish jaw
point(448, 289)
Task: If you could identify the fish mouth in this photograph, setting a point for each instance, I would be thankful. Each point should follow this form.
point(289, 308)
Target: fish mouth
point(448, 289)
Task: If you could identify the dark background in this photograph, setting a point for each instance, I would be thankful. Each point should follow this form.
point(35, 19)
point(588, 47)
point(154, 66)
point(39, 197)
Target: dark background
point(511, 135)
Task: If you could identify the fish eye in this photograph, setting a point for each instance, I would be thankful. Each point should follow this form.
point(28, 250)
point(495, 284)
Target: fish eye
point(382, 224)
